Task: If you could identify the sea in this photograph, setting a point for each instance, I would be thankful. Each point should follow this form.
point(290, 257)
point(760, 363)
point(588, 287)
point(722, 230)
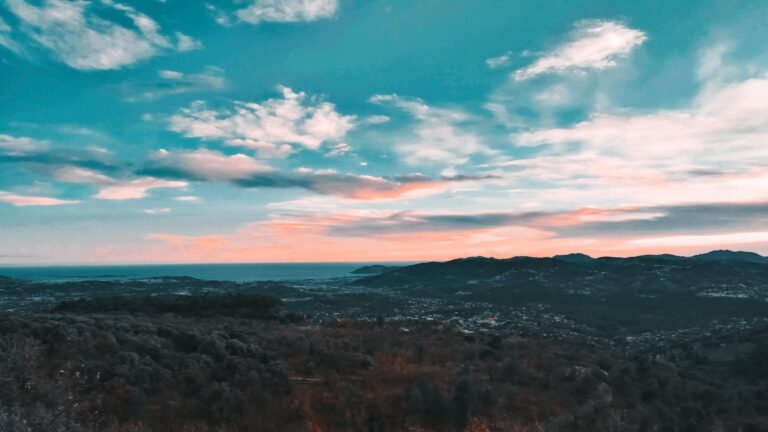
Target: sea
point(224, 272)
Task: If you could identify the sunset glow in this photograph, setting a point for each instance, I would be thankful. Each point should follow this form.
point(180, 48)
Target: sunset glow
point(344, 131)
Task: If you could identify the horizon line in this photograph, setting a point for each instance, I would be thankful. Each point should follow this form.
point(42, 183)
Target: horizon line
point(28, 265)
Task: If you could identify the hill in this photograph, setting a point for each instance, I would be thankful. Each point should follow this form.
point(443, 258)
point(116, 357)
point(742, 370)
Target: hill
point(718, 273)
point(726, 255)
point(374, 269)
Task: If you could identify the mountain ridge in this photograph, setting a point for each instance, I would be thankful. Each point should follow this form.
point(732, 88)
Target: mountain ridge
point(714, 273)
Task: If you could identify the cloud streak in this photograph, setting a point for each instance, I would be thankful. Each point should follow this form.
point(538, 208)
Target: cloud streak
point(204, 165)
point(244, 171)
point(381, 235)
point(631, 224)
point(175, 83)
point(593, 45)
point(79, 35)
point(115, 189)
point(500, 61)
point(27, 200)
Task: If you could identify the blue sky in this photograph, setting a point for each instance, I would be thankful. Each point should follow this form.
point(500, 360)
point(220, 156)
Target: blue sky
point(347, 130)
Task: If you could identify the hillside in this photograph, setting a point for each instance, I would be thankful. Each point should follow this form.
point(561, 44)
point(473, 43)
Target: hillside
point(720, 273)
point(186, 364)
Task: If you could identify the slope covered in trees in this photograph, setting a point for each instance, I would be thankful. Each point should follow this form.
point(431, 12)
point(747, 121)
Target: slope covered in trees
point(191, 368)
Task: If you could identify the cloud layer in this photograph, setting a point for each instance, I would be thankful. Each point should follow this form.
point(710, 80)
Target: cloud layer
point(244, 171)
point(80, 36)
point(428, 149)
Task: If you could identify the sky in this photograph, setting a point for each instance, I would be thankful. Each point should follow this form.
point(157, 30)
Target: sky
point(170, 131)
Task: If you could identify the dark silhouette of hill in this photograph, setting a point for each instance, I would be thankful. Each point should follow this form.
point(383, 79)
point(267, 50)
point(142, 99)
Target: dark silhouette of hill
point(374, 269)
point(613, 296)
point(741, 273)
point(727, 255)
point(574, 258)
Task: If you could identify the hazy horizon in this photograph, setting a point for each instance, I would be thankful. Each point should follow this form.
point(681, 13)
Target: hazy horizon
point(360, 263)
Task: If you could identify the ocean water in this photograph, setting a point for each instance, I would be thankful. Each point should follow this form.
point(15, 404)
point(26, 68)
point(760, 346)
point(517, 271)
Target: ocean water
point(228, 272)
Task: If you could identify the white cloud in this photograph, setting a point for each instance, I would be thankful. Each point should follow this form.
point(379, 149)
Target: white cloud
point(211, 78)
point(17, 146)
point(209, 165)
point(287, 10)
point(23, 201)
point(114, 189)
point(5, 37)
point(719, 240)
point(272, 127)
point(186, 43)
point(437, 137)
point(171, 75)
point(85, 40)
point(134, 189)
point(339, 149)
point(500, 61)
point(157, 211)
point(187, 198)
point(723, 125)
point(376, 119)
point(593, 45)
point(715, 149)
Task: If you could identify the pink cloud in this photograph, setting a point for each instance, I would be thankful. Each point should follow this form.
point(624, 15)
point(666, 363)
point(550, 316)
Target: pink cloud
point(114, 189)
point(25, 200)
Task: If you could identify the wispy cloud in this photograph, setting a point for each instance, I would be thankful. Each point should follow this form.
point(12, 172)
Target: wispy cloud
point(244, 171)
point(273, 128)
point(187, 198)
point(205, 165)
point(172, 82)
point(186, 43)
point(20, 146)
point(287, 11)
point(438, 137)
point(380, 235)
point(157, 211)
point(5, 37)
point(500, 61)
point(25, 200)
point(723, 129)
point(174, 169)
point(592, 45)
point(40, 155)
point(410, 222)
point(81, 37)
point(634, 226)
point(339, 149)
point(710, 240)
point(651, 222)
point(297, 239)
point(116, 189)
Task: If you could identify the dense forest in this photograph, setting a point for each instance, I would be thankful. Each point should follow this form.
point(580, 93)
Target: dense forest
point(242, 363)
